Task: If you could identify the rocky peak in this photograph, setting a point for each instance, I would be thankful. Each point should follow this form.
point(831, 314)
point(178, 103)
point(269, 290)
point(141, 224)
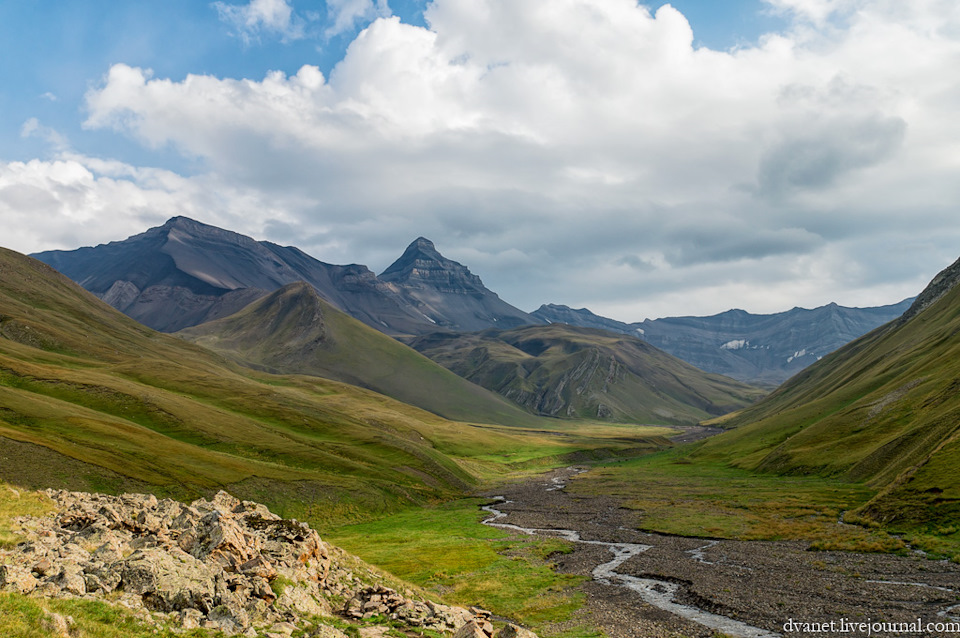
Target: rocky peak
point(422, 266)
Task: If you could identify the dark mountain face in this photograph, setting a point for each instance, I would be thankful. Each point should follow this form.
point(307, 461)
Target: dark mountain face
point(185, 273)
point(760, 349)
point(447, 293)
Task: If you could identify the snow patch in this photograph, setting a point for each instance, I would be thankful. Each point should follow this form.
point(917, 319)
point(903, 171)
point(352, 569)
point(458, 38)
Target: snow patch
point(797, 355)
point(736, 344)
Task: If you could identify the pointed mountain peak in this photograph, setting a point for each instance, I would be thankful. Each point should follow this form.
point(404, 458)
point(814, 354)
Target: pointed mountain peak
point(422, 243)
point(421, 264)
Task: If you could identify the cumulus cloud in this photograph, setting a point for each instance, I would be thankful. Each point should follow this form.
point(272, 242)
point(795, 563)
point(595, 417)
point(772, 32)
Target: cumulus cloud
point(258, 16)
point(593, 139)
point(61, 203)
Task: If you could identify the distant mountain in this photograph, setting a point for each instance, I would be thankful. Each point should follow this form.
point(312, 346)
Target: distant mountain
point(292, 330)
point(565, 371)
point(884, 409)
point(184, 273)
point(758, 349)
point(448, 294)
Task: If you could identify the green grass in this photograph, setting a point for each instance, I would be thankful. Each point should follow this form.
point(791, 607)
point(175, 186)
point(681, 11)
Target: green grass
point(14, 503)
point(446, 550)
point(27, 617)
point(672, 493)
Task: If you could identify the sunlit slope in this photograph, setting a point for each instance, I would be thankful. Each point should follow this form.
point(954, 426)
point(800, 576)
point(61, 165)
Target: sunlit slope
point(91, 399)
point(293, 330)
point(564, 371)
point(885, 410)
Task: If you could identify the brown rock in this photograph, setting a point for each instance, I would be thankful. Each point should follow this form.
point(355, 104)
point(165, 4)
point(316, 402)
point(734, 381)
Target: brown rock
point(513, 631)
point(17, 578)
point(470, 630)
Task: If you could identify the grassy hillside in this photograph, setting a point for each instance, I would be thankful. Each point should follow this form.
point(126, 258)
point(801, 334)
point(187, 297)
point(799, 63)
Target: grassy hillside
point(560, 370)
point(294, 331)
point(90, 399)
point(884, 410)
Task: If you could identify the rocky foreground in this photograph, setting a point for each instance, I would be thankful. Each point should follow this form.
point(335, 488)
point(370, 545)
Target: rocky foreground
point(222, 564)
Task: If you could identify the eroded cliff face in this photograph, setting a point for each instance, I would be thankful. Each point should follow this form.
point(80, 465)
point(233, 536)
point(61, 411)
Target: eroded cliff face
point(221, 564)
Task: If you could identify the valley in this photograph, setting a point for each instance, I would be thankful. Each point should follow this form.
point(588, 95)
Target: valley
point(494, 458)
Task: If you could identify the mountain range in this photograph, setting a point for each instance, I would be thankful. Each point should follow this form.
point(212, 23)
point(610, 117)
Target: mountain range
point(884, 410)
point(763, 350)
point(184, 273)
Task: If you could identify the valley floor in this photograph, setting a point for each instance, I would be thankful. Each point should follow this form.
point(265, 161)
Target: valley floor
point(763, 584)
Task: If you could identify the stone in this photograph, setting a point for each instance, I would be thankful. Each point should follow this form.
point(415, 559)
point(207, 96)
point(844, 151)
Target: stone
point(17, 578)
point(470, 630)
point(514, 631)
point(190, 618)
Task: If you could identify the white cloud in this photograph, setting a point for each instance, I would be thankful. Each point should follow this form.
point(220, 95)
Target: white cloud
point(33, 128)
point(344, 15)
point(592, 138)
point(60, 203)
point(271, 16)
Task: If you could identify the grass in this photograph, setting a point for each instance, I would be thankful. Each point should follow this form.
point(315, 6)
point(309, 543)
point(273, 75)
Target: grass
point(446, 550)
point(674, 495)
point(15, 503)
point(27, 617)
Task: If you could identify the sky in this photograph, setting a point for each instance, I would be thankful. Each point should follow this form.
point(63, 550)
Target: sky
point(641, 160)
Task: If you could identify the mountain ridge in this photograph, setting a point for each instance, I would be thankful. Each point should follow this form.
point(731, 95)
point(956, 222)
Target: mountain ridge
point(294, 331)
point(565, 371)
point(185, 272)
point(760, 349)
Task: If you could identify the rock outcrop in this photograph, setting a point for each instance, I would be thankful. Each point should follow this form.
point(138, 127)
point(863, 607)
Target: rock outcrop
point(221, 564)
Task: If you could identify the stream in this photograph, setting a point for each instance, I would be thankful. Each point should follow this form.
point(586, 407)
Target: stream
point(760, 584)
point(659, 593)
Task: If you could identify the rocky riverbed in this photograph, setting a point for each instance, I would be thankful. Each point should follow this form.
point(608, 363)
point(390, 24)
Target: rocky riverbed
point(759, 585)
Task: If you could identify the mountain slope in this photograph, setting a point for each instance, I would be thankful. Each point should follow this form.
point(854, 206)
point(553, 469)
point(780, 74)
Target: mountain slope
point(447, 293)
point(885, 409)
point(92, 399)
point(293, 330)
point(759, 349)
point(560, 370)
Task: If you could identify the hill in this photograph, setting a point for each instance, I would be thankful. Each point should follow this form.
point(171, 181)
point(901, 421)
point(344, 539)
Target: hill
point(762, 350)
point(293, 330)
point(560, 370)
point(883, 410)
point(90, 399)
